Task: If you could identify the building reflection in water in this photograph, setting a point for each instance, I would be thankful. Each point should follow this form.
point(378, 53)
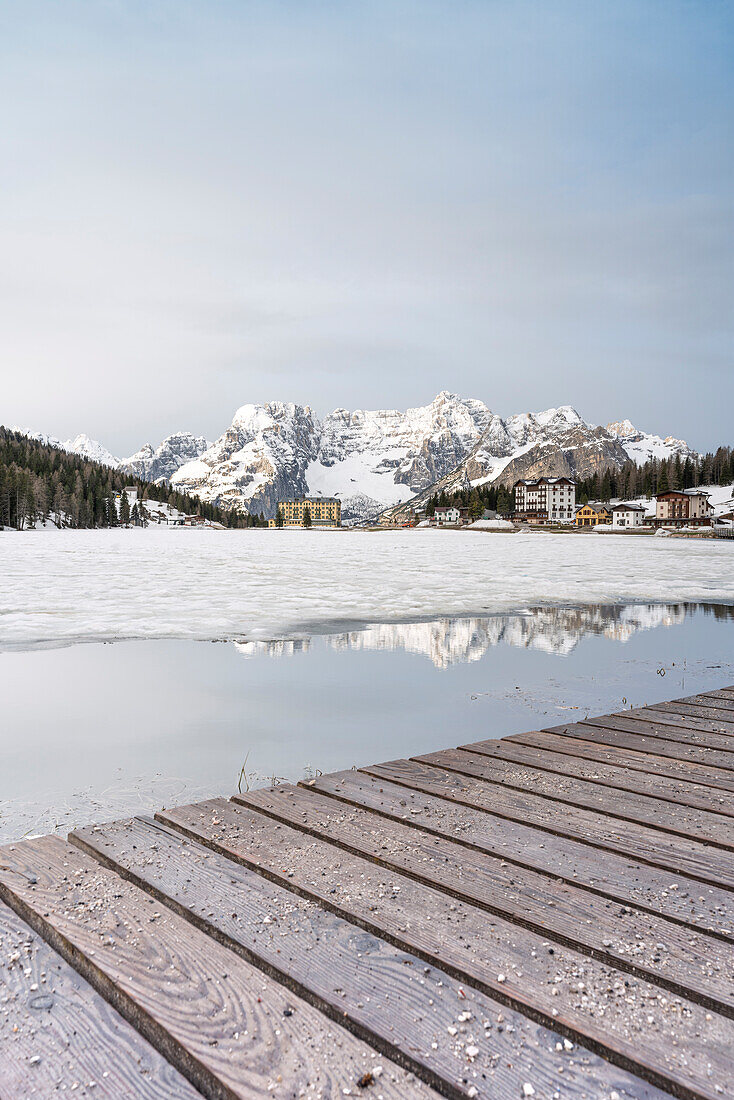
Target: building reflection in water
point(450, 641)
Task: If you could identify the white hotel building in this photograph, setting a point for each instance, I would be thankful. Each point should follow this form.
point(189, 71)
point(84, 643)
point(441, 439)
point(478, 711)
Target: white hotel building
point(545, 500)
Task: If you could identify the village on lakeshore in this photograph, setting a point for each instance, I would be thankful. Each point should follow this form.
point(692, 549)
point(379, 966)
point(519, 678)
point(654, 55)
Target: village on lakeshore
point(539, 503)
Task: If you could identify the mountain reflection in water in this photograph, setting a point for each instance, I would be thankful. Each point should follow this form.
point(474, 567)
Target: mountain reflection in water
point(450, 641)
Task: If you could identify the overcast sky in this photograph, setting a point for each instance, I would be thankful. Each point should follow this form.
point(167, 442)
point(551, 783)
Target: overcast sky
point(353, 204)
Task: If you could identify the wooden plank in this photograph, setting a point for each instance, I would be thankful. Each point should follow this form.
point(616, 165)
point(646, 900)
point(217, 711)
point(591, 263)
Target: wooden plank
point(645, 844)
point(682, 792)
point(717, 699)
point(505, 960)
point(645, 722)
point(610, 731)
point(702, 825)
point(566, 913)
point(692, 717)
point(701, 706)
point(719, 782)
point(680, 1049)
point(227, 1026)
point(418, 1015)
point(57, 1034)
point(618, 877)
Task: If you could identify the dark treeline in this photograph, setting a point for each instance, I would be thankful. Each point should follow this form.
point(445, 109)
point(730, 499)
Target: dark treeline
point(631, 480)
point(497, 498)
point(625, 483)
point(38, 482)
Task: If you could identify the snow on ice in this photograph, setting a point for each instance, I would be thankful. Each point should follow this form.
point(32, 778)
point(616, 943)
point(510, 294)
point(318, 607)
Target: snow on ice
point(261, 585)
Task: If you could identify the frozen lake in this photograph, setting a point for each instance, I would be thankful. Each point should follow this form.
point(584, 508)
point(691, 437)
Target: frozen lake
point(103, 730)
point(70, 586)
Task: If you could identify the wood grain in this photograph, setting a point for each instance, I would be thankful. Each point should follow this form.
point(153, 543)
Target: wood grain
point(645, 844)
point(718, 699)
point(57, 1034)
point(646, 724)
point(701, 707)
point(506, 961)
point(542, 756)
point(355, 977)
point(715, 780)
point(228, 1027)
point(696, 967)
point(615, 876)
point(696, 824)
point(688, 717)
point(612, 731)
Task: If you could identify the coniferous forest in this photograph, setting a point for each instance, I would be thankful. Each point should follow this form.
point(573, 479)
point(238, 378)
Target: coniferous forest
point(625, 483)
point(39, 482)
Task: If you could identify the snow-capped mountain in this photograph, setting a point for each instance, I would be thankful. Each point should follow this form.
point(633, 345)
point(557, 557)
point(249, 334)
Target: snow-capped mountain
point(369, 459)
point(81, 445)
point(161, 463)
point(378, 460)
point(642, 446)
point(91, 449)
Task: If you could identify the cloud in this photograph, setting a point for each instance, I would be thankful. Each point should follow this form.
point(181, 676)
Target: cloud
point(361, 204)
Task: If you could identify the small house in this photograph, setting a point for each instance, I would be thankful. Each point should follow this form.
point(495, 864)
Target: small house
point(451, 516)
point(592, 513)
point(626, 515)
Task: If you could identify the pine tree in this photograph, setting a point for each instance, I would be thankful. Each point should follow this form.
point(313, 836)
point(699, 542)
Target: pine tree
point(124, 510)
point(663, 481)
point(307, 516)
point(279, 517)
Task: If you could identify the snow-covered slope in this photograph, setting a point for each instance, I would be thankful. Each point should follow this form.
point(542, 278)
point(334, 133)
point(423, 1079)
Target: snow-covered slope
point(161, 463)
point(91, 449)
point(378, 460)
point(80, 445)
point(642, 446)
point(368, 459)
point(261, 458)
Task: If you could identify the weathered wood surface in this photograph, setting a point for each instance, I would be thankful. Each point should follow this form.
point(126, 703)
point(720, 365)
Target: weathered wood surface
point(654, 726)
point(224, 1024)
point(661, 787)
point(679, 718)
point(714, 699)
point(714, 780)
point(510, 964)
point(57, 1035)
point(696, 824)
point(719, 699)
point(612, 731)
point(548, 915)
point(719, 713)
point(695, 966)
point(418, 1015)
point(645, 844)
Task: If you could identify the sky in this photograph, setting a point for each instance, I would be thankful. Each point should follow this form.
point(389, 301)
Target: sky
point(358, 205)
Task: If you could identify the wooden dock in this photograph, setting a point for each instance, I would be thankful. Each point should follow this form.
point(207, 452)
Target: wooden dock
point(548, 915)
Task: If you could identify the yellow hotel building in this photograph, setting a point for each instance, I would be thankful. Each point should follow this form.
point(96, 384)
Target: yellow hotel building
point(325, 512)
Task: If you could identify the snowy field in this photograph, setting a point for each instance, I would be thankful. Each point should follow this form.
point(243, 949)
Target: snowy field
point(68, 586)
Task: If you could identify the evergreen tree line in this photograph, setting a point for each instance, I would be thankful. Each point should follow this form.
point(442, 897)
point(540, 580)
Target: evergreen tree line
point(496, 498)
point(626, 483)
point(38, 482)
point(657, 476)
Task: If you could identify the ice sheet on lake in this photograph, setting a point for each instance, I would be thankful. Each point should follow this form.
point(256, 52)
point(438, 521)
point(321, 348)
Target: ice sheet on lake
point(184, 583)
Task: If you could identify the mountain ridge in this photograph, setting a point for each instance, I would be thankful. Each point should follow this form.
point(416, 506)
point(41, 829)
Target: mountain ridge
point(379, 460)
